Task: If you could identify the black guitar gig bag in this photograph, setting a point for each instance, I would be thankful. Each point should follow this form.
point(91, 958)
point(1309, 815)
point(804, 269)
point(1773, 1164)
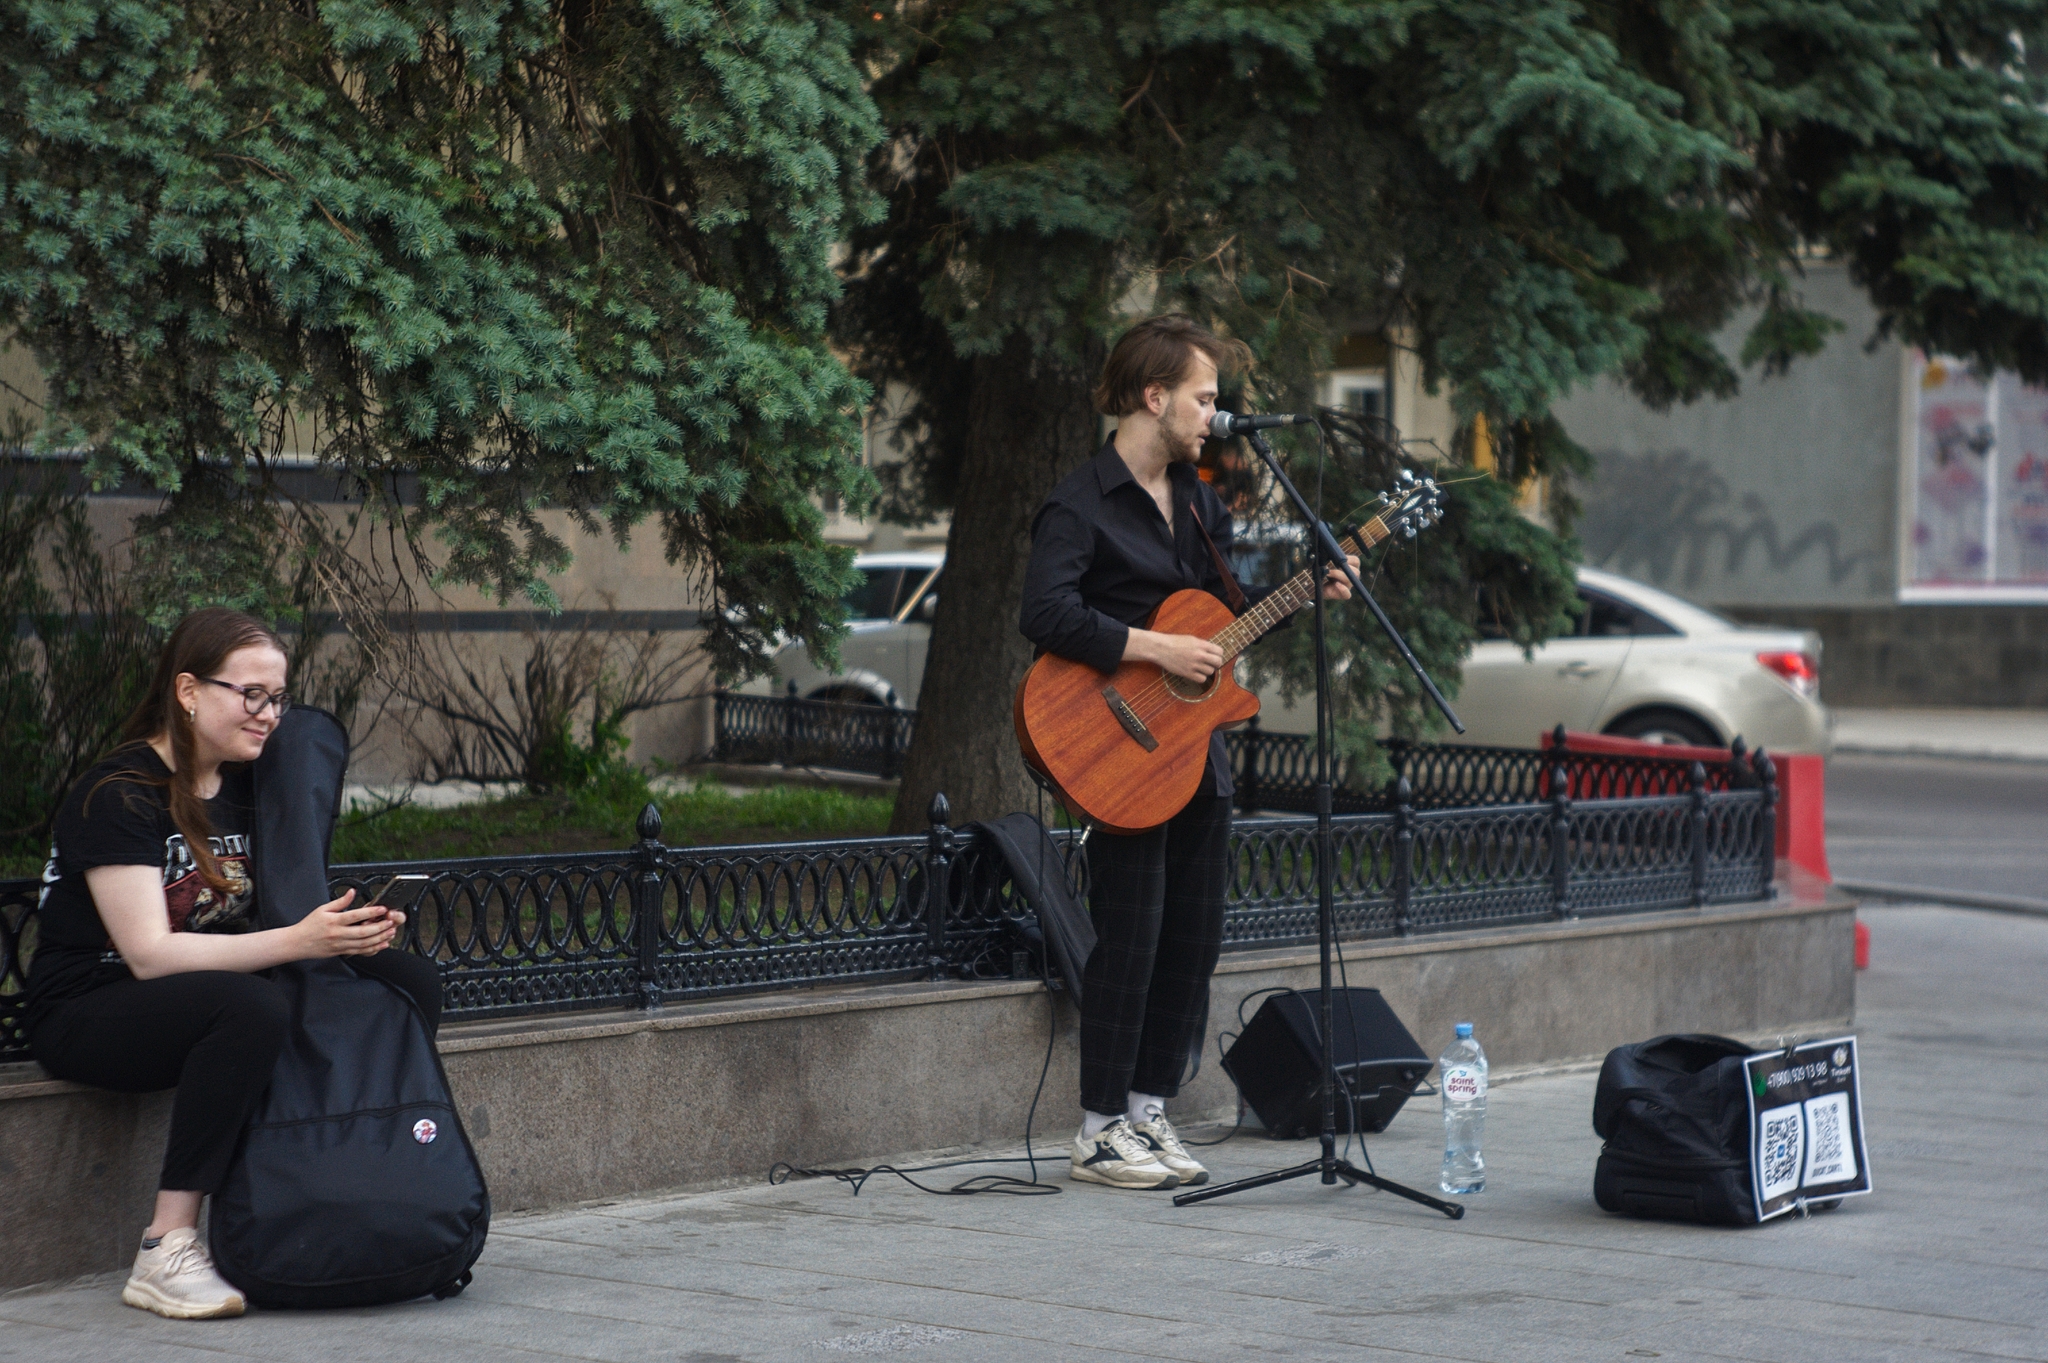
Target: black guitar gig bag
point(355, 1183)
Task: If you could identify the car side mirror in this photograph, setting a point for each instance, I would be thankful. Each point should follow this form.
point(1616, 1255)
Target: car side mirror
point(928, 609)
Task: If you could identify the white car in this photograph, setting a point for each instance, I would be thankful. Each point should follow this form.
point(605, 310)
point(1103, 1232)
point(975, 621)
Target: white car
point(1643, 664)
point(888, 629)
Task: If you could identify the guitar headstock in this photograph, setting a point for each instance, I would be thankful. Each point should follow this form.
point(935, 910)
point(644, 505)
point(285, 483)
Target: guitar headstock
point(1413, 504)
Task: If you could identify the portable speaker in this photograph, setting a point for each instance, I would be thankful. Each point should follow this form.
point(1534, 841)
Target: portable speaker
point(1277, 1062)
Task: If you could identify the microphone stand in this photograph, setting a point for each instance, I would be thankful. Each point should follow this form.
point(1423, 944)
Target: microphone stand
point(1327, 1165)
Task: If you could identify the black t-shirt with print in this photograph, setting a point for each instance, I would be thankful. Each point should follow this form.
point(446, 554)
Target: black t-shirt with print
point(119, 815)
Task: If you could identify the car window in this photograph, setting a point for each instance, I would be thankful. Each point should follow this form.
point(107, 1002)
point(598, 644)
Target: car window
point(1257, 564)
point(911, 594)
point(876, 596)
point(1609, 617)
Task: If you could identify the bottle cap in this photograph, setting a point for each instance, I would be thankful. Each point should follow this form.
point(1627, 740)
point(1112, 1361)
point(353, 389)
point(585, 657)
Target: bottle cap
point(1464, 1031)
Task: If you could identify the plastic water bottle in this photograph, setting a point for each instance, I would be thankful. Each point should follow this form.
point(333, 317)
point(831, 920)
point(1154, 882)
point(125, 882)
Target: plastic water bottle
point(1463, 1082)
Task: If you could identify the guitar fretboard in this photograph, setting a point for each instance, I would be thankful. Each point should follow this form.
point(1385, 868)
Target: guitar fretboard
point(1241, 633)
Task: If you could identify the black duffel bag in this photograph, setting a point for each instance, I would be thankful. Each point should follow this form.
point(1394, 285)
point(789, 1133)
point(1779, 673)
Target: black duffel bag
point(1674, 1116)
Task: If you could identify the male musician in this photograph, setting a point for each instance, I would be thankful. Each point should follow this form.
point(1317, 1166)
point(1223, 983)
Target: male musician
point(1115, 538)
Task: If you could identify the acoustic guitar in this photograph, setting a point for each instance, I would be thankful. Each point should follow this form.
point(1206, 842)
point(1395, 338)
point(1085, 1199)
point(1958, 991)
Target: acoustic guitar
point(1125, 749)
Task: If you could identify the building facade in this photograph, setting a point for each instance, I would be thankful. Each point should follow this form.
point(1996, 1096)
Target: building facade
point(1893, 501)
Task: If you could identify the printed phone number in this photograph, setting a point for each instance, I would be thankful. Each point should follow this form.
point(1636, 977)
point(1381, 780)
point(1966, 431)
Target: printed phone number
point(1798, 1074)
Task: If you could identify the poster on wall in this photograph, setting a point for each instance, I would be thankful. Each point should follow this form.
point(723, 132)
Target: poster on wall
point(1977, 493)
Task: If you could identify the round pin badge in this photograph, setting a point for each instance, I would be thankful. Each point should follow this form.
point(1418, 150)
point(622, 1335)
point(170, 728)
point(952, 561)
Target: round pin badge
point(424, 1131)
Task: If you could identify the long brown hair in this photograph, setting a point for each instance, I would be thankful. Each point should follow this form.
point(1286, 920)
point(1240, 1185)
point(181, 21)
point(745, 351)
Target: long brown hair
point(199, 645)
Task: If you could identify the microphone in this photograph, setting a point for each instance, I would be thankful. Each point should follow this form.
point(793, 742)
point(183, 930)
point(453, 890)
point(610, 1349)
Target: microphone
point(1224, 425)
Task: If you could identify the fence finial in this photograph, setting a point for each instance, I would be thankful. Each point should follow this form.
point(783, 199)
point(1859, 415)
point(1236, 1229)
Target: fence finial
point(649, 824)
point(941, 811)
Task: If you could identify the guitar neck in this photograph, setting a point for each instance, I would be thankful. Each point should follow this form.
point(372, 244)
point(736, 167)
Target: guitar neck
point(1241, 633)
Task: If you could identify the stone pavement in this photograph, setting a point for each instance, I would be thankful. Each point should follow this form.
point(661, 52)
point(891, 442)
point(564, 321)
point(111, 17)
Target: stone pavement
point(1944, 1261)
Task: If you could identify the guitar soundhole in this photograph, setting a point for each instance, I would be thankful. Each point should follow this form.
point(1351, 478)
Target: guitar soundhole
point(1193, 691)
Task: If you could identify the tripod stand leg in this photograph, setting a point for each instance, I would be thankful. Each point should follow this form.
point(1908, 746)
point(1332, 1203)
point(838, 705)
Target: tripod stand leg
point(1194, 1195)
point(1353, 1175)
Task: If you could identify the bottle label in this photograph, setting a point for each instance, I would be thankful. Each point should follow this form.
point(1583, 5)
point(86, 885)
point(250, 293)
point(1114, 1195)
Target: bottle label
point(1463, 1084)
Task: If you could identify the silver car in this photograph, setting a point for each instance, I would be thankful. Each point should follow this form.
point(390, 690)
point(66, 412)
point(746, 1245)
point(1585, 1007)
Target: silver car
point(889, 627)
point(1645, 664)
point(1642, 663)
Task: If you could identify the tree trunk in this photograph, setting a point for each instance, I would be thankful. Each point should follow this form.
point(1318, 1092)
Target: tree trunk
point(1030, 422)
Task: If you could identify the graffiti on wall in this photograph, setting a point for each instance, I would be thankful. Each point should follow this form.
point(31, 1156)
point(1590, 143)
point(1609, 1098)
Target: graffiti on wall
point(1669, 517)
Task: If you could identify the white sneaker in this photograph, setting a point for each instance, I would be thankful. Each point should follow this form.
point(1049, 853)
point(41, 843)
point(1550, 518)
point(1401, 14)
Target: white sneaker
point(1164, 1142)
point(1118, 1156)
point(176, 1279)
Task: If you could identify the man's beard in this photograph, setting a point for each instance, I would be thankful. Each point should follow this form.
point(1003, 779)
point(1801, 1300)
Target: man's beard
point(1177, 451)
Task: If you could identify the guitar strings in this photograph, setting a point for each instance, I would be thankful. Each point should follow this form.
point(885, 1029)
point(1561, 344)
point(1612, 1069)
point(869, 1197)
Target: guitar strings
point(1159, 689)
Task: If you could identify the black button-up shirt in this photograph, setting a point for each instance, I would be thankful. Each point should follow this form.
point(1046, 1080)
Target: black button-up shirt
point(1102, 558)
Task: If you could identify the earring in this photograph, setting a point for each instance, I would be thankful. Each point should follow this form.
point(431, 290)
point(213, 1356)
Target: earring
point(192, 713)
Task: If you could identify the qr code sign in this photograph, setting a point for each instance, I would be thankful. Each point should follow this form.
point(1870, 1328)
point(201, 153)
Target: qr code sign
point(1780, 1150)
point(1830, 1155)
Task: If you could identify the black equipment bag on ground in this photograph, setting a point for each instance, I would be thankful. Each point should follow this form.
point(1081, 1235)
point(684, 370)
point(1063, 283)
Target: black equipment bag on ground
point(1038, 869)
point(1674, 1114)
point(355, 1183)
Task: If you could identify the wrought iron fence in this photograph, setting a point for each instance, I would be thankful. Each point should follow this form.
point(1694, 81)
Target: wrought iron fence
point(841, 735)
point(1272, 771)
point(653, 924)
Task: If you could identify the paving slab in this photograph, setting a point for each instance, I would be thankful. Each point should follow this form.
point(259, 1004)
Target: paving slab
point(1948, 1259)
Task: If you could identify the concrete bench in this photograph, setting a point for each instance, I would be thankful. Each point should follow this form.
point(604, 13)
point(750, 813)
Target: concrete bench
point(587, 1106)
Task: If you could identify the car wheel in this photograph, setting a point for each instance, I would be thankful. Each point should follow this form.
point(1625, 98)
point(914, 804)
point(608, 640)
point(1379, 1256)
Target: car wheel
point(1665, 726)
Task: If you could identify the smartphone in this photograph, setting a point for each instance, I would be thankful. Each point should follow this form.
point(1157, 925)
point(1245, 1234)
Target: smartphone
point(399, 892)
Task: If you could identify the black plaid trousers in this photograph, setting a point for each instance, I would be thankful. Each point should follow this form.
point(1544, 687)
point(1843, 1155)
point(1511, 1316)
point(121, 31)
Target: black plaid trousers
point(1157, 901)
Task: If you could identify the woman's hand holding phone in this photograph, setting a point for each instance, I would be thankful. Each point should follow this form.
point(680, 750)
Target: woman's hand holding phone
point(336, 929)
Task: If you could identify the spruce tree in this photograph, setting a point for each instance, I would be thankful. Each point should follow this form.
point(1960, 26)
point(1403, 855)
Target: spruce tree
point(483, 257)
point(1531, 193)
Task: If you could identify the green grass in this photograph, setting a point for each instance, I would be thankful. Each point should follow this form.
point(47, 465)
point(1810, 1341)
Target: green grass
point(602, 819)
point(587, 821)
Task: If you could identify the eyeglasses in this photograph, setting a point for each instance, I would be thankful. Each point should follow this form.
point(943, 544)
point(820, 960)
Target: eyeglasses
point(255, 698)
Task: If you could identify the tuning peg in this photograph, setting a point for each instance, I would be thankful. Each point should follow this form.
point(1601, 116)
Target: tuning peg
point(1407, 476)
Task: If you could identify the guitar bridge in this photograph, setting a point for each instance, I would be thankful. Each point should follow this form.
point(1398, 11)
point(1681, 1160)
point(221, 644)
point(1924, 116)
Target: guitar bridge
point(1128, 717)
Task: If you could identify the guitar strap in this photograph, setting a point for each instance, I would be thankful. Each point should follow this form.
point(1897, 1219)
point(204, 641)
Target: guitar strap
point(1232, 592)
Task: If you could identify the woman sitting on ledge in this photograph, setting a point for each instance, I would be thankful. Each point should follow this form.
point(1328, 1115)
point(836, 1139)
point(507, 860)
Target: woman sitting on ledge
point(149, 971)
